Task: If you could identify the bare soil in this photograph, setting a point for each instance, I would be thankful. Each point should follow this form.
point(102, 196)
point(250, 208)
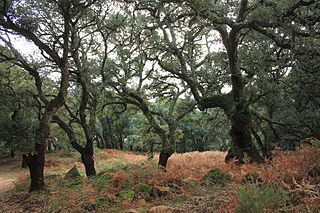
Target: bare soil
point(10, 169)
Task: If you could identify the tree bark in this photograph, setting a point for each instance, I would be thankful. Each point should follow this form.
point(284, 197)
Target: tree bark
point(241, 137)
point(87, 160)
point(35, 163)
point(163, 159)
point(12, 153)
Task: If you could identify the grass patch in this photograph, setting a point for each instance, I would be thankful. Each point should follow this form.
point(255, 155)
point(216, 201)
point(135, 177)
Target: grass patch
point(102, 180)
point(255, 198)
point(74, 183)
point(127, 195)
point(144, 190)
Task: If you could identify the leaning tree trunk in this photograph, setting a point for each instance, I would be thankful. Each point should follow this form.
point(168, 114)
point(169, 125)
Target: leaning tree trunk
point(85, 152)
point(264, 147)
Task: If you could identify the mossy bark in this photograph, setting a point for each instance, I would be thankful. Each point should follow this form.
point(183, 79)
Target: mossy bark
point(241, 137)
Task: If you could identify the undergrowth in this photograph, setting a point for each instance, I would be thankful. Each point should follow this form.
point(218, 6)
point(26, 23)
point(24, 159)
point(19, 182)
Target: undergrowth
point(129, 181)
point(256, 199)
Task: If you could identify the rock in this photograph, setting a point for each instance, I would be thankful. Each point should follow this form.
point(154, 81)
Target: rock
point(161, 209)
point(72, 173)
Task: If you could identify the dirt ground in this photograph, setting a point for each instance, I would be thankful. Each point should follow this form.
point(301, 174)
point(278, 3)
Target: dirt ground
point(10, 169)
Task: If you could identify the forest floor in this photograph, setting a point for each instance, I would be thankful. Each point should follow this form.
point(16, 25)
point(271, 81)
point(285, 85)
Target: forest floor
point(128, 182)
point(10, 169)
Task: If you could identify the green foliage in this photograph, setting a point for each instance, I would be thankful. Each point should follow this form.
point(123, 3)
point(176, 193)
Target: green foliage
point(314, 141)
point(215, 177)
point(255, 198)
point(73, 183)
point(144, 190)
point(204, 131)
point(126, 195)
point(113, 166)
point(102, 201)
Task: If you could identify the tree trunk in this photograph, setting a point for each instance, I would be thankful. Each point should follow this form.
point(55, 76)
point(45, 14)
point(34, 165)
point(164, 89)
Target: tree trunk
point(163, 159)
point(241, 137)
point(12, 153)
point(87, 160)
point(86, 153)
point(49, 145)
point(241, 116)
point(35, 163)
point(120, 139)
point(264, 147)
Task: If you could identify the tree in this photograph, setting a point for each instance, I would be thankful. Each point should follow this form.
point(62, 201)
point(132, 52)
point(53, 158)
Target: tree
point(171, 116)
point(49, 29)
point(232, 21)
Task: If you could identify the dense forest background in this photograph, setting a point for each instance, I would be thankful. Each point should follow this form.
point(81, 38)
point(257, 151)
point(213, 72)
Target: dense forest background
point(163, 77)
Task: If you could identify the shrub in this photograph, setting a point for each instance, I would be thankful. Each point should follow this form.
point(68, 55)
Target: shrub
point(313, 141)
point(126, 195)
point(102, 201)
point(215, 176)
point(256, 199)
point(144, 190)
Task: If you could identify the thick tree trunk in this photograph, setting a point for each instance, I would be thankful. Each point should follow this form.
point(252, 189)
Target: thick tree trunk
point(35, 163)
point(241, 116)
point(163, 159)
point(87, 160)
point(241, 137)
